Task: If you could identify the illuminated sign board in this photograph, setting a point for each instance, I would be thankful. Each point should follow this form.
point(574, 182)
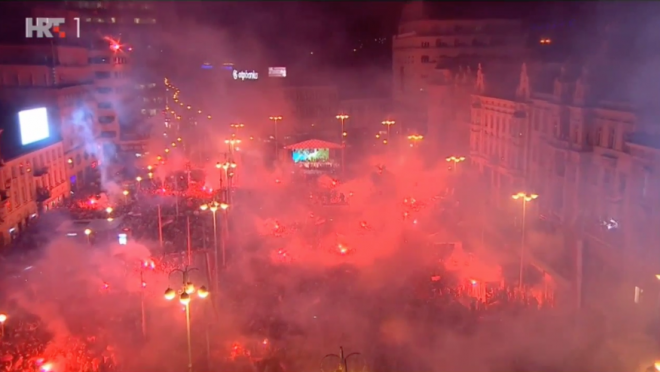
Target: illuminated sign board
point(245, 75)
point(276, 71)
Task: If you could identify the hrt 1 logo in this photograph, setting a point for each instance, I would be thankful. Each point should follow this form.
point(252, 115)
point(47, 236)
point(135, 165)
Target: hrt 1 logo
point(44, 27)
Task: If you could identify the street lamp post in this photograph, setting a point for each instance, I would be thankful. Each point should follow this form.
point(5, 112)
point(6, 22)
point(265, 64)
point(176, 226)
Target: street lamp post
point(342, 119)
point(414, 139)
point(139, 182)
point(88, 232)
point(213, 207)
point(343, 359)
point(160, 225)
point(236, 127)
point(188, 238)
point(147, 264)
point(388, 124)
point(125, 193)
point(276, 120)
point(3, 319)
point(232, 145)
point(226, 167)
point(526, 198)
point(187, 289)
point(455, 160)
point(225, 232)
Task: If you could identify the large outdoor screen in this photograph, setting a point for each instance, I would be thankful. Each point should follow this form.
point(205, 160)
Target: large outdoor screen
point(33, 125)
point(311, 156)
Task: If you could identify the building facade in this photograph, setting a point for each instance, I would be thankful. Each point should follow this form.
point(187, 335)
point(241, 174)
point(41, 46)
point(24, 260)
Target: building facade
point(311, 110)
point(427, 38)
point(31, 183)
point(57, 76)
point(556, 131)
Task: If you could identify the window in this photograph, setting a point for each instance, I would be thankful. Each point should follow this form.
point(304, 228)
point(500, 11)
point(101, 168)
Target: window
point(103, 90)
point(105, 105)
point(610, 138)
point(439, 43)
point(102, 74)
point(622, 183)
point(106, 119)
point(426, 59)
point(425, 44)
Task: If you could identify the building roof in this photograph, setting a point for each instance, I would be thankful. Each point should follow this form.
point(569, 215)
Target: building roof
point(313, 144)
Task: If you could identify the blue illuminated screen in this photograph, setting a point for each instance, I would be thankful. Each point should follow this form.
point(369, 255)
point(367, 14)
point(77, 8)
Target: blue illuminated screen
point(311, 155)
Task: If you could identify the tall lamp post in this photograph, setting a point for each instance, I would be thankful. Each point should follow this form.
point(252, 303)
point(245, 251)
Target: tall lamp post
point(125, 193)
point(213, 207)
point(185, 292)
point(88, 232)
point(3, 319)
point(232, 145)
point(225, 232)
point(415, 139)
point(147, 264)
point(342, 119)
point(342, 359)
point(526, 198)
point(236, 127)
point(276, 120)
point(226, 167)
point(388, 124)
point(455, 160)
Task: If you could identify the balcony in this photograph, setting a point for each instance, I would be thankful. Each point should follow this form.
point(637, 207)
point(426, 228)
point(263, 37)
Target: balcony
point(42, 194)
point(40, 171)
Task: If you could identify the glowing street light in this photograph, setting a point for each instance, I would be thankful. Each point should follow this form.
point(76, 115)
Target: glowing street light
point(526, 198)
point(3, 319)
point(108, 210)
point(213, 207)
point(232, 144)
point(455, 160)
point(415, 139)
point(125, 193)
point(88, 233)
point(342, 119)
point(276, 120)
point(236, 126)
point(389, 124)
point(185, 292)
point(226, 167)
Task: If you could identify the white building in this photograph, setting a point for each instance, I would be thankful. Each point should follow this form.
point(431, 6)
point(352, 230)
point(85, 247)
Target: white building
point(433, 33)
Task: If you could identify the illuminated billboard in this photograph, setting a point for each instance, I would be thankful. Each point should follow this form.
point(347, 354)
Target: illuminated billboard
point(33, 125)
point(245, 75)
point(276, 71)
point(311, 156)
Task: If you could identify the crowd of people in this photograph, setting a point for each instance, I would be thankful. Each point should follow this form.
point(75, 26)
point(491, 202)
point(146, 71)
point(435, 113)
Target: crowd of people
point(169, 211)
point(26, 345)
